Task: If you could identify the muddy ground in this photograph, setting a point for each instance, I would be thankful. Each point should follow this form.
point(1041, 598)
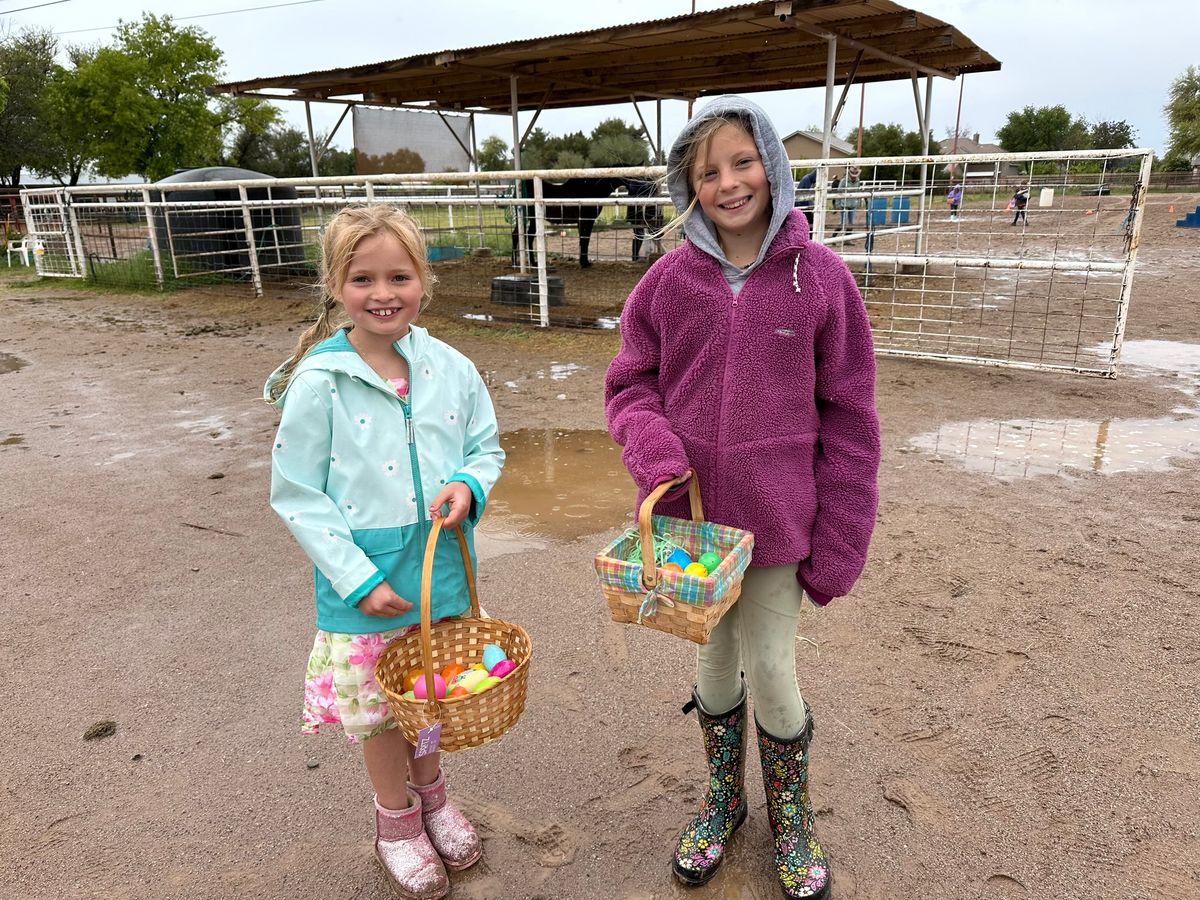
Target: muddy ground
point(1006, 705)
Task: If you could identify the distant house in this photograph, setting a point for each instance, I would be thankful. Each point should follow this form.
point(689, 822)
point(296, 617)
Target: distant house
point(807, 145)
point(979, 170)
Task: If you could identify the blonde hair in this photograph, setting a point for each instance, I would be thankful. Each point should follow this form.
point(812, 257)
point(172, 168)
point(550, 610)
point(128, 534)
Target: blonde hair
point(690, 148)
point(342, 236)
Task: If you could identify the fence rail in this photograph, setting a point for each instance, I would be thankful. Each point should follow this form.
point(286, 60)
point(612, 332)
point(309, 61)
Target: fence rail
point(1044, 287)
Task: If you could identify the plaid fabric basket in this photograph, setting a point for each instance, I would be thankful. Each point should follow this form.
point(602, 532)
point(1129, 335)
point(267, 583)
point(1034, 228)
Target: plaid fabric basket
point(687, 606)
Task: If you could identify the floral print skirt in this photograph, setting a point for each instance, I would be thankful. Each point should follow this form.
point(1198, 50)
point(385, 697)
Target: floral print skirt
point(340, 685)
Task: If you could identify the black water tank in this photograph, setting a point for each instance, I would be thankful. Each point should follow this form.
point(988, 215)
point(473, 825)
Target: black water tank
point(214, 238)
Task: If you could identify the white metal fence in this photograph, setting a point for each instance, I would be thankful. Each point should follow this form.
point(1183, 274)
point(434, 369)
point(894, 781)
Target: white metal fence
point(1048, 288)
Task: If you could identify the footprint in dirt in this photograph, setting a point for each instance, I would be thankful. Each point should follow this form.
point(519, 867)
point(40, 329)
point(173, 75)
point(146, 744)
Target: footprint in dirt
point(1003, 887)
point(555, 843)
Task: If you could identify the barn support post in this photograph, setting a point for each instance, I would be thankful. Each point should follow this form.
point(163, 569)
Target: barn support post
point(822, 185)
point(312, 156)
point(312, 140)
point(522, 255)
point(923, 111)
point(478, 183)
point(662, 156)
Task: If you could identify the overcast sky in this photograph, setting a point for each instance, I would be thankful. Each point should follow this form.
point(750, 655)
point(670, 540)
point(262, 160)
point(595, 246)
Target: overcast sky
point(1083, 54)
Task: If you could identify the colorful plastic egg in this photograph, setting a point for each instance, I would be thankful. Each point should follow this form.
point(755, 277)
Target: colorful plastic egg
point(503, 668)
point(672, 567)
point(452, 671)
point(458, 691)
point(485, 683)
point(680, 558)
point(492, 654)
point(471, 678)
point(439, 687)
point(696, 569)
point(409, 695)
point(709, 560)
point(411, 676)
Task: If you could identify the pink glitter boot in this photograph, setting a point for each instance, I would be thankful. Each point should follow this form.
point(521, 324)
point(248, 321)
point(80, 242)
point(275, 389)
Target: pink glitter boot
point(408, 858)
point(448, 829)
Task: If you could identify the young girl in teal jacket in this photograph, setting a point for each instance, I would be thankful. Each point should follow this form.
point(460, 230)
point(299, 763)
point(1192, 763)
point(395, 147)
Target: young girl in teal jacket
point(382, 428)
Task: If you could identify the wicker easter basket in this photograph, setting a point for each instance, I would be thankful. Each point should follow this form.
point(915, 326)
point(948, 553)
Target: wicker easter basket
point(688, 606)
point(475, 719)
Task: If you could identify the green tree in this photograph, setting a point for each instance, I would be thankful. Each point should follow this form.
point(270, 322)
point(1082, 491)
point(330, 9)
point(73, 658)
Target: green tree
point(535, 150)
point(1183, 115)
point(565, 151)
point(1115, 135)
point(615, 143)
point(3, 95)
point(147, 95)
point(26, 66)
point(570, 159)
point(335, 161)
point(282, 153)
point(246, 127)
point(493, 155)
point(888, 140)
point(619, 150)
point(616, 128)
point(71, 137)
point(1043, 128)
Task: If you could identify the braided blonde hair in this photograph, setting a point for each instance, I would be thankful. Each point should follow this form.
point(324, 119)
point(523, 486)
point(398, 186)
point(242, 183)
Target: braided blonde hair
point(342, 236)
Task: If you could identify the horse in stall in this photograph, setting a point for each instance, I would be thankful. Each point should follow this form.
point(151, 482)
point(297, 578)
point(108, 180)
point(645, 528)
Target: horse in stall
point(582, 216)
point(644, 219)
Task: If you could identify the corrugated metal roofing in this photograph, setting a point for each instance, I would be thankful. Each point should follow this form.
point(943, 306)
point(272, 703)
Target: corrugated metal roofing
point(738, 49)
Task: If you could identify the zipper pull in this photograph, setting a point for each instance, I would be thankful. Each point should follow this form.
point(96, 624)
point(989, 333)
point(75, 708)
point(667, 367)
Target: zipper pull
point(409, 428)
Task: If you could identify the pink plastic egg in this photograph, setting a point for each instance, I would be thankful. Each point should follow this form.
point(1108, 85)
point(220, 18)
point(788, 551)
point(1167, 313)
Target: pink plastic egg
point(439, 687)
point(503, 668)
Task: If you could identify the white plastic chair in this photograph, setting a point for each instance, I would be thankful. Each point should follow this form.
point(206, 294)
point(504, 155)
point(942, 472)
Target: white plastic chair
point(23, 247)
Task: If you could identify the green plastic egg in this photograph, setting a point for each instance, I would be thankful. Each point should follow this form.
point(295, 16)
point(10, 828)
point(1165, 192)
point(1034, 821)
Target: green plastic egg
point(709, 560)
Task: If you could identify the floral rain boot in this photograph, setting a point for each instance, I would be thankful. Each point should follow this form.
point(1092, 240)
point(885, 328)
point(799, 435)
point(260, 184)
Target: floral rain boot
point(800, 862)
point(702, 844)
point(403, 849)
point(450, 832)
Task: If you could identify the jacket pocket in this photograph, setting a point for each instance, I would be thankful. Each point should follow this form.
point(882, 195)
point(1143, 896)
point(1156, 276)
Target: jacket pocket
point(377, 541)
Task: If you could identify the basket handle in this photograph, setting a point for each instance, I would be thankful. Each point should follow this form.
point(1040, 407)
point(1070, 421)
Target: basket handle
point(431, 704)
point(649, 569)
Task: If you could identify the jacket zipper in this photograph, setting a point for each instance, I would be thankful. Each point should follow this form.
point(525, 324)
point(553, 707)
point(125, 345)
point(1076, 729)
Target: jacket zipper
point(406, 408)
point(717, 491)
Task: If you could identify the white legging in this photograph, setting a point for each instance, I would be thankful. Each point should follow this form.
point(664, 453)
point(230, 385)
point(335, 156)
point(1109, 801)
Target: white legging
point(757, 635)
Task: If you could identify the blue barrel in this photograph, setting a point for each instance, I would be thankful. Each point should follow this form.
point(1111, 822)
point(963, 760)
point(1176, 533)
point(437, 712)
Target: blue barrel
point(877, 213)
point(900, 207)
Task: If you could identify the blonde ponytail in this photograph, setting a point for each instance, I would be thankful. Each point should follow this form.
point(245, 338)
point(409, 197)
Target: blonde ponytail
point(321, 329)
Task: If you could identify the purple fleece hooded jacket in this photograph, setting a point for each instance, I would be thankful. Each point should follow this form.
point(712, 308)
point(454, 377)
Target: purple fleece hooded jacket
point(768, 394)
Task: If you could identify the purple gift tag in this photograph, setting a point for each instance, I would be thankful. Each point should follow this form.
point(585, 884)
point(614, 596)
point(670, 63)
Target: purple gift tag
point(427, 740)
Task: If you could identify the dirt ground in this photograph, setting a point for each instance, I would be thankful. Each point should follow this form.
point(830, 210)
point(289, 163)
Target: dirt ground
point(1006, 706)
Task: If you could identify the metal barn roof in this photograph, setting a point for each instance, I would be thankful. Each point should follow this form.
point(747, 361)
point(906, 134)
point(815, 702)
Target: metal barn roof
point(752, 47)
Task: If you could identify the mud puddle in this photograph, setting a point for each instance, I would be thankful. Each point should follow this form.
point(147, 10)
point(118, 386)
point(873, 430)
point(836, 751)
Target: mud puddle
point(1024, 448)
point(557, 486)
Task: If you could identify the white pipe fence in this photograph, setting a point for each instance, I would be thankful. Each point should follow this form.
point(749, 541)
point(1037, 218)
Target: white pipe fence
point(1047, 287)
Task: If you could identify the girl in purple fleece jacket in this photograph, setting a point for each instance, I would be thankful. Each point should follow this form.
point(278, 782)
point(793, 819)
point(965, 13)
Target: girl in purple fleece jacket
point(746, 355)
